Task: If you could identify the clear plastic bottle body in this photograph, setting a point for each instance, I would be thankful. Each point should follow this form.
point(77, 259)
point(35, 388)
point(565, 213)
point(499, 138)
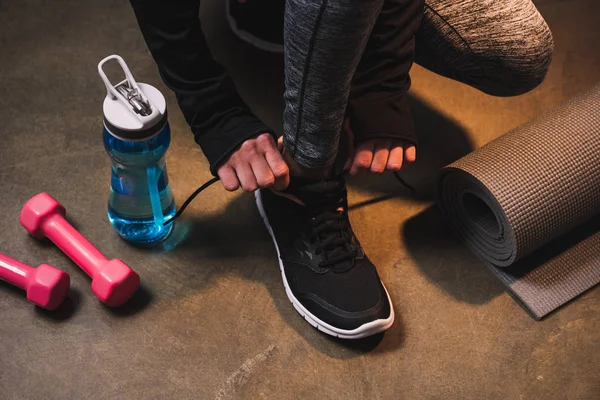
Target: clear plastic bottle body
point(140, 198)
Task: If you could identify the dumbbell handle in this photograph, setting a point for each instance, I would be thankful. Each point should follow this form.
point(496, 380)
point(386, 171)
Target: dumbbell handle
point(14, 271)
point(73, 244)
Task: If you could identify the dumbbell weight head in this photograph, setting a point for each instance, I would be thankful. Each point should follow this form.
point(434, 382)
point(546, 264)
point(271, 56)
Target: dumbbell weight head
point(114, 283)
point(47, 286)
point(37, 210)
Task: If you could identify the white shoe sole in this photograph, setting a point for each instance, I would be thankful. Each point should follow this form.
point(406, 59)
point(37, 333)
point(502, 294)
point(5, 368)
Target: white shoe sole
point(251, 39)
point(362, 331)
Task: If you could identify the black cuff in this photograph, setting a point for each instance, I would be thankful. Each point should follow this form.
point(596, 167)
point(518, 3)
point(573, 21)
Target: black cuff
point(218, 144)
point(384, 117)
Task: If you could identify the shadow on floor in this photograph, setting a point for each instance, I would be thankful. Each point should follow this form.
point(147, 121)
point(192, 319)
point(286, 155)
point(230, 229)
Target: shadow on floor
point(447, 263)
point(64, 312)
point(239, 244)
point(140, 300)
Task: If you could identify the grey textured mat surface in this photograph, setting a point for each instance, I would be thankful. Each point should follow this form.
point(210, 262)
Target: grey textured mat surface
point(528, 204)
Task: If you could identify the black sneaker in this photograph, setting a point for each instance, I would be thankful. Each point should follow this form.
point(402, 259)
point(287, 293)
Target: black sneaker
point(326, 274)
point(258, 22)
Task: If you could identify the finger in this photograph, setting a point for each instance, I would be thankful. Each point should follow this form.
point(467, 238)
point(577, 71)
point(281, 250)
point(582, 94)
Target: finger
point(380, 158)
point(262, 173)
point(410, 154)
point(278, 172)
point(363, 157)
point(266, 143)
point(228, 178)
point(246, 177)
point(279, 168)
point(395, 158)
point(265, 140)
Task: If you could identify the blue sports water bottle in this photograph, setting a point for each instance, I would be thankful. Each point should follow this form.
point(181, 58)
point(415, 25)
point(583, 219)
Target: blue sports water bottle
point(137, 136)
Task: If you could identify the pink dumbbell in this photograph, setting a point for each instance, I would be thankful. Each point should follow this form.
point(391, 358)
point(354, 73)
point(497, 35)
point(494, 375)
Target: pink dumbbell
point(113, 281)
point(45, 285)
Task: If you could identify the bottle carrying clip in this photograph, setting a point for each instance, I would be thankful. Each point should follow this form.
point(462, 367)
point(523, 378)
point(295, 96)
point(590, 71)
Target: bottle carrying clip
point(127, 91)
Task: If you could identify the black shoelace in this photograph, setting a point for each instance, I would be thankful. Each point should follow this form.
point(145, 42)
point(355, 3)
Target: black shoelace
point(216, 179)
point(330, 230)
point(190, 199)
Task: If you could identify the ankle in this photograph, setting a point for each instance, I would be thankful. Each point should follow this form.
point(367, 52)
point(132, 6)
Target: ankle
point(303, 172)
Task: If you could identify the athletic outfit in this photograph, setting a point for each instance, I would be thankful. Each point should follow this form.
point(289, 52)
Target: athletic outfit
point(501, 47)
point(342, 58)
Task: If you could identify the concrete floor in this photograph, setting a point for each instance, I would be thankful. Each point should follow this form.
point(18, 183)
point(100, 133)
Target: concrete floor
point(213, 320)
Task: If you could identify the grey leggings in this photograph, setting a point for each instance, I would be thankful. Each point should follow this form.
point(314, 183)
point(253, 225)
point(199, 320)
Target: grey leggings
point(501, 47)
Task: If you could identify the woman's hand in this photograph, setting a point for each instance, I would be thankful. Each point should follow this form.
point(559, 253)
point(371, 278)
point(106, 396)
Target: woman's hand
point(257, 163)
point(378, 155)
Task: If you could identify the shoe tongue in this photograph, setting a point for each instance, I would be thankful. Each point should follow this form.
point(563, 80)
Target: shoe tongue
point(320, 195)
point(311, 191)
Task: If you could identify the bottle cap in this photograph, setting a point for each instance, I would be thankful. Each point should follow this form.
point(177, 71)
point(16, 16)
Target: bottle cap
point(132, 111)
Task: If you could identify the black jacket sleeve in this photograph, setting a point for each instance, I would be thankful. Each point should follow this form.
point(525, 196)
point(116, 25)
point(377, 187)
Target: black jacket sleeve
point(218, 117)
point(378, 105)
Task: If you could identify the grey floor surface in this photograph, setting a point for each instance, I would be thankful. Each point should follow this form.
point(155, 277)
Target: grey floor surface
point(213, 320)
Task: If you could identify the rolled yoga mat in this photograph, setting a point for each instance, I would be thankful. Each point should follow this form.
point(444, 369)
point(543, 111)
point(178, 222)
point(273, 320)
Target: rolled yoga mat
point(528, 204)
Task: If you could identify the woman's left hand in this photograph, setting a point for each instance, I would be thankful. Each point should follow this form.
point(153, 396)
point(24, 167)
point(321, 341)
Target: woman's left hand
point(379, 155)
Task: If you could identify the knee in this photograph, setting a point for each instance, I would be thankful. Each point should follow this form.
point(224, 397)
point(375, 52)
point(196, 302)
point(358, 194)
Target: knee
point(517, 66)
